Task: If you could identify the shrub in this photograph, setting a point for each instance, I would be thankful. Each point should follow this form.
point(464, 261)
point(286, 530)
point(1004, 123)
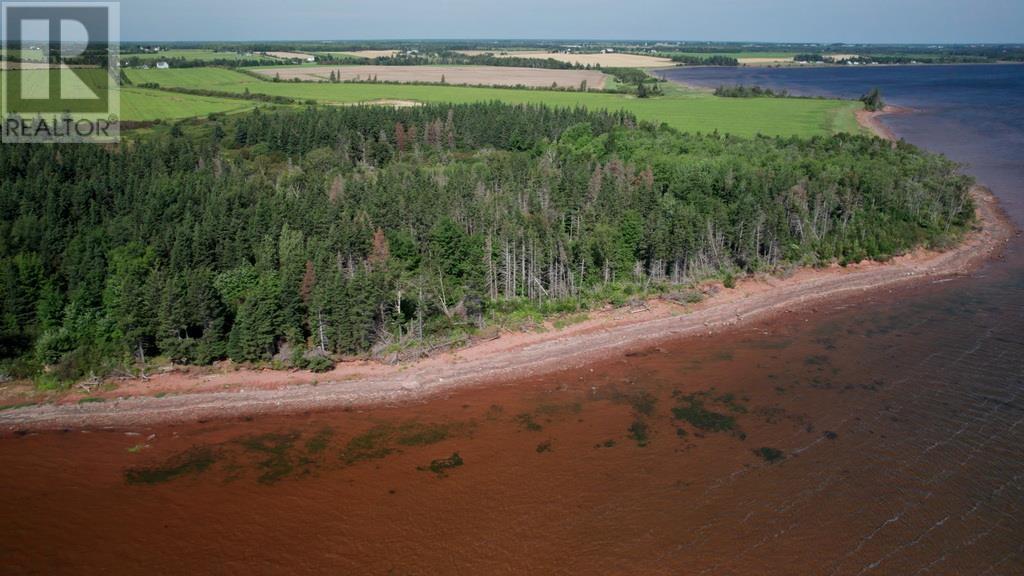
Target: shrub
point(770, 455)
point(319, 364)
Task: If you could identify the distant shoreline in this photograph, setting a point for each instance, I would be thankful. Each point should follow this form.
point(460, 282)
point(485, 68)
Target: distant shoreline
point(825, 66)
point(654, 70)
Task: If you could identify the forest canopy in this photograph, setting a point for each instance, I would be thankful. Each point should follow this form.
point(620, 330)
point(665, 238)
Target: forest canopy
point(309, 234)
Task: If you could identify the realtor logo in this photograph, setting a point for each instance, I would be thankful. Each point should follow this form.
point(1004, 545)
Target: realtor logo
point(60, 72)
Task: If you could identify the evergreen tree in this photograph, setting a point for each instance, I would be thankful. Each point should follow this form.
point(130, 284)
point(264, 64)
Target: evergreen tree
point(128, 298)
point(255, 333)
point(873, 100)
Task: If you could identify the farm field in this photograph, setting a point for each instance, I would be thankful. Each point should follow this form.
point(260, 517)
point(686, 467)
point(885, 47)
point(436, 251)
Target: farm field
point(363, 53)
point(757, 61)
point(288, 55)
point(464, 75)
point(613, 60)
point(688, 111)
point(22, 54)
point(739, 55)
point(141, 105)
point(5, 65)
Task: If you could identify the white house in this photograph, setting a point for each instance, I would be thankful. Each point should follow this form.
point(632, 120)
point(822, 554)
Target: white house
point(162, 65)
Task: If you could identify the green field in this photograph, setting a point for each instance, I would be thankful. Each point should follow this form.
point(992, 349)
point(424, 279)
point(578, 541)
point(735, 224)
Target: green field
point(25, 55)
point(341, 54)
point(687, 111)
point(138, 104)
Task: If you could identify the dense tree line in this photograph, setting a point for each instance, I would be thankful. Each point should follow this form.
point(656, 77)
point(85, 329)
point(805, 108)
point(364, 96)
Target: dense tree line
point(635, 81)
point(304, 234)
point(714, 60)
point(94, 55)
point(741, 91)
point(182, 62)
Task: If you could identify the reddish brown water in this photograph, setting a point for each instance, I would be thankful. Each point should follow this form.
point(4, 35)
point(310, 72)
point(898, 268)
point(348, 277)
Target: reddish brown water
point(895, 460)
point(923, 472)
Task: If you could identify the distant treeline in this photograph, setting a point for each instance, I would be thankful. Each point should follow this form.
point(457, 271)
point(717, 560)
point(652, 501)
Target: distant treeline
point(717, 60)
point(94, 56)
point(740, 91)
point(333, 79)
point(134, 61)
point(635, 81)
point(919, 55)
point(179, 62)
point(631, 75)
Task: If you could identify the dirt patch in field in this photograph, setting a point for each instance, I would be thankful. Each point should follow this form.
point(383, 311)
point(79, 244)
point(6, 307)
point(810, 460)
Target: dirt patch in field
point(5, 65)
point(765, 61)
point(367, 53)
point(288, 55)
point(388, 102)
point(459, 75)
point(604, 60)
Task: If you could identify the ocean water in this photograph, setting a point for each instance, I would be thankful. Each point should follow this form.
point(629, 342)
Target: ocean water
point(882, 434)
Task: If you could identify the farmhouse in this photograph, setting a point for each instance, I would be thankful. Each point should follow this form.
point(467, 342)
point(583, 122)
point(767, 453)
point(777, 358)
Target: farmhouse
point(162, 65)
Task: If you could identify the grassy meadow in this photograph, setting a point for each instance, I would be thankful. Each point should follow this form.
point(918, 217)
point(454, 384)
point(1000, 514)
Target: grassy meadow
point(687, 111)
point(142, 105)
point(139, 104)
point(24, 55)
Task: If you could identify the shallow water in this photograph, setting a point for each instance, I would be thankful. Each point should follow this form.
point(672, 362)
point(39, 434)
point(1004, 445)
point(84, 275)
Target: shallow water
point(898, 418)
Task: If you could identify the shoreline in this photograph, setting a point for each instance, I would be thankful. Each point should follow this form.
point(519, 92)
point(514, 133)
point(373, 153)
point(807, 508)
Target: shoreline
point(187, 396)
point(871, 121)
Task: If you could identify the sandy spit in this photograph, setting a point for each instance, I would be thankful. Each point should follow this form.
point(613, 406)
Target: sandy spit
point(870, 120)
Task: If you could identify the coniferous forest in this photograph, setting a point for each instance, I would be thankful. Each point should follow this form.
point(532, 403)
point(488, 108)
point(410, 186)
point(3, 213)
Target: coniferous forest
point(304, 235)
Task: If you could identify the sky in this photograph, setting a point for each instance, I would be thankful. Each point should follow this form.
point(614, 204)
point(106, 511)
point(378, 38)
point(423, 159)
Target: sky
point(849, 21)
